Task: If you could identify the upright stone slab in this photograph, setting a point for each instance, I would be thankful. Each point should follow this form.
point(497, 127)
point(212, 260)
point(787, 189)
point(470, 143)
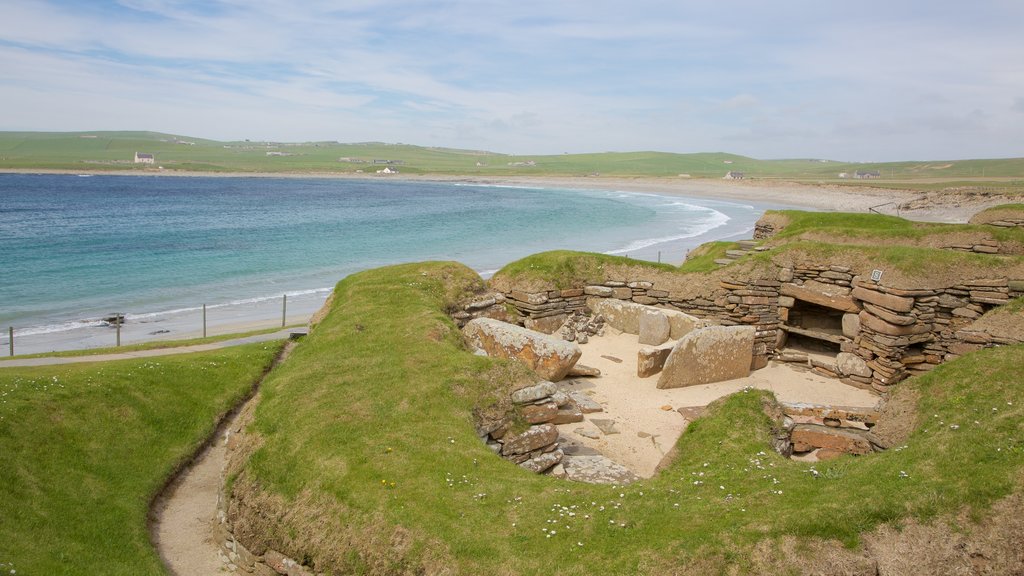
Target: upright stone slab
point(622, 315)
point(548, 356)
point(654, 327)
point(651, 359)
point(711, 354)
point(681, 323)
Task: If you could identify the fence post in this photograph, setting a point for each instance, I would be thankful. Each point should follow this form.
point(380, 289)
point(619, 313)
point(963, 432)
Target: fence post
point(284, 310)
point(659, 256)
point(10, 333)
point(204, 320)
point(117, 322)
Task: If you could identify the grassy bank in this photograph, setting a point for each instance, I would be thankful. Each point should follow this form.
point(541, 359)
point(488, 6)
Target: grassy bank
point(369, 463)
point(85, 447)
point(878, 227)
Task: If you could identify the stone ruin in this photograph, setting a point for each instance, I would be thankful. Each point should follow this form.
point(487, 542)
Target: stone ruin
point(869, 334)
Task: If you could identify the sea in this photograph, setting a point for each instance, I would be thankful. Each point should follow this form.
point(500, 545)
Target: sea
point(77, 249)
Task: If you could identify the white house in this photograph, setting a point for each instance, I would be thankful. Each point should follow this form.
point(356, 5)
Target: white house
point(143, 158)
point(733, 175)
point(388, 170)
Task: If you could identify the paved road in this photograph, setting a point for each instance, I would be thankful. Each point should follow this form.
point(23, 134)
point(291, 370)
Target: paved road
point(51, 360)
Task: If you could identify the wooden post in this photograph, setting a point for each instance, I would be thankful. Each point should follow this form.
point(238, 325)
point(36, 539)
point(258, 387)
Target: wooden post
point(659, 256)
point(284, 310)
point(204, 320)
point(10, 334)
point(117, 322)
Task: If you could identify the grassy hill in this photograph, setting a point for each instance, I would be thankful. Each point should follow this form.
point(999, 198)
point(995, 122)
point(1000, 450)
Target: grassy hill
point(113, 151)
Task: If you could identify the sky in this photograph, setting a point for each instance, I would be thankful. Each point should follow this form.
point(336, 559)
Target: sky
point(855, 81)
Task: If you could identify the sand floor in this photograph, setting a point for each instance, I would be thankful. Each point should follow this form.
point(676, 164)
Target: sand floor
point(647, 419)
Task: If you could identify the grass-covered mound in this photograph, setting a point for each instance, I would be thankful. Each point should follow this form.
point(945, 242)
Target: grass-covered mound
point(85, 448)
point(1011, 212)
point(867, 228)
point(365, 460)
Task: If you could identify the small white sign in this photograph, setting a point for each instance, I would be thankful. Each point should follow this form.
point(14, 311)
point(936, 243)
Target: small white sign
point(876, 275)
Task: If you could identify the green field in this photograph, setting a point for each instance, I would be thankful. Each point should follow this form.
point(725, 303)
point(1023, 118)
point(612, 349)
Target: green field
point(114, 151)
point(86, 447)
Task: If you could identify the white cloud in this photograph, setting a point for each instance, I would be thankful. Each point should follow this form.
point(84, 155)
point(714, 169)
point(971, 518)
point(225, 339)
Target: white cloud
point(801, 79)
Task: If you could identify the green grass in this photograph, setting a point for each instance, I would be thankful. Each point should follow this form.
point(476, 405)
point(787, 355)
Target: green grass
point(878, 227)
point(368, 444)
point(153, 345)
point(565, 268)
point(85, 448)
point(702, 259)
point(113, 151)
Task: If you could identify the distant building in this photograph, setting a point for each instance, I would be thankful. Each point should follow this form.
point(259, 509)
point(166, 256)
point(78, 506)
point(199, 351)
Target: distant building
point(733, 175)
point(388, 170)
point(844, 175)
point(860, 174)
point(143, 158)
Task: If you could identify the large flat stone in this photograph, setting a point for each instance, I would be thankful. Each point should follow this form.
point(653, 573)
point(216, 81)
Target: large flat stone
point(807, 437)
point(827, 295)
point(543, 462)
point(548, 356)
point(890, 301)
point(533, 438)
point(872, 322)
point(534, 392)
point(597, 469)
point(711, 354)
point(540, 413)
point(586, 404)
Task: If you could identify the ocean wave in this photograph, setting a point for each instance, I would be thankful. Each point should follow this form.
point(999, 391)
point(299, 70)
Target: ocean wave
point(713, 220)
point(149, 316)
point(61, 327)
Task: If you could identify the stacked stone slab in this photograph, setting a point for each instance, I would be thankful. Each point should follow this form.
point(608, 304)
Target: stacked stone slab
point(491, 305)
point(831, 431)
point(983, 246)
point(1007, 222)
point(542, 406)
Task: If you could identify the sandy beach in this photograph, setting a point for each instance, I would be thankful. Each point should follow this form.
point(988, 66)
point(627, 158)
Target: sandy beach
point(930, 206)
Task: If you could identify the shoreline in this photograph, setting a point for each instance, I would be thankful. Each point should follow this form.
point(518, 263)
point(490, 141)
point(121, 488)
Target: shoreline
point(932, 206)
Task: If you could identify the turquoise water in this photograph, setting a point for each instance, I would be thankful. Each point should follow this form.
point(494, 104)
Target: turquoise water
point(73, 249)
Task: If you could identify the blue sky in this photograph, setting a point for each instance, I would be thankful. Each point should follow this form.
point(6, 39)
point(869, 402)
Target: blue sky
point(857, 81)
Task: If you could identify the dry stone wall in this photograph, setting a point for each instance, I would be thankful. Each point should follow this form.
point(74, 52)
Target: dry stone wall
point(730, 303)
point(884, 333)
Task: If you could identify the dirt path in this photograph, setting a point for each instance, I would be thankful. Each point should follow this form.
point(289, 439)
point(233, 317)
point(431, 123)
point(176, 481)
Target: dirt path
point(183, 530)
point(183, 517)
